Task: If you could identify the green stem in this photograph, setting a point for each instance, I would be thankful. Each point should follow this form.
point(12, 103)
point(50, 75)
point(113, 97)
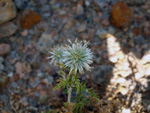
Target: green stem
point(69, 95)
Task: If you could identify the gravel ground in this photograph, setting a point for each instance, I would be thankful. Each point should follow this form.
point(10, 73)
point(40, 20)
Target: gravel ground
point(119, 35)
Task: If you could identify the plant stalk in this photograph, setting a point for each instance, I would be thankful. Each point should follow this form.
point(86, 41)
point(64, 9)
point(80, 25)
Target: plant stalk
point(69, 95)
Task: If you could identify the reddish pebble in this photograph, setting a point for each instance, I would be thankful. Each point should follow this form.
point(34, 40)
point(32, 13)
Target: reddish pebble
point(105, 22)
point(24, 33)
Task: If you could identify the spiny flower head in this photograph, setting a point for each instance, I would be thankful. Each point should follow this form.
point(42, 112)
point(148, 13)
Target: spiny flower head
point(77, 56)
point(56, 55)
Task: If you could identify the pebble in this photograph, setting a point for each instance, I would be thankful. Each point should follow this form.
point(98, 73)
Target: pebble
point(105, 22)
point(84, 36)
point(29, 19)
point(20, 69)
point(8, 29)
point(48, 80)
point(10, 74)
point(7, 10)
point(147, 32)
point(101, 33)
point(14, 85)
point(1, 59)
point(21, 4)
point(43, 98)
point(139, 39)
point(36, 83)
point(81, 28)
point(4, 98)
point(45, 43)
point(121, 14)
point(3, 81)
point(111, 30)
point(79, 10)
point(62, 12)
point(25, 33)
point(4, 49)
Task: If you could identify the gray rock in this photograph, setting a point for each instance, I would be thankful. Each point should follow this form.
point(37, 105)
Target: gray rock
point(111, 30)
point(139, 39)
point(45, 43)
point(8, 29)
point(24, 101)
point(48, 80)
point(14, 85)
point(43, 98)
point(21, 4)
point(1, 59)
point(101, 74)
point(41, 75)
point(10, 74)
point(4, 98)
point(35, 84)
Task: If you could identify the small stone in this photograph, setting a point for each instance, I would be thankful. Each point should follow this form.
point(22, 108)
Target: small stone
point(147, 32)
point(81, 28)
point(101, 33)
point(43, 98)
point(41, 75)
point(23, 101)
point(16, 77)
point(146, 24)
point(48, 80)
point(1, 59)
point(69, 24)
point(62, 12)
point(21, 4)
point(29, 19)
point(10, 74)
point(105, 22)
point(7, 10)
point(24, 33)
point(84, 36)
point(136, 31)
point(8, 29)
point(111, 30)
point(14, 85)
point(148, 108)
point(44, 43)
point(87, 3)
point(80, 9)
point(36, 83)
point(20, 69)
point(4, 49)
point(139, 39)
point(121, 14)
point(3, 81)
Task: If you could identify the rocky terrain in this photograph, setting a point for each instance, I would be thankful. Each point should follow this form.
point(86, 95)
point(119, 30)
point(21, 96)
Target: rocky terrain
point(119, 35)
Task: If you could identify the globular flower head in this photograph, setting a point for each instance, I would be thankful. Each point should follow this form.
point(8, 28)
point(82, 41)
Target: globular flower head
point(77, 57)
point(56, 56)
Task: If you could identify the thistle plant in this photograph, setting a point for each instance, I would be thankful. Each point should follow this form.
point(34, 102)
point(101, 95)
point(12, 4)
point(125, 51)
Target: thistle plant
point(74, 57)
